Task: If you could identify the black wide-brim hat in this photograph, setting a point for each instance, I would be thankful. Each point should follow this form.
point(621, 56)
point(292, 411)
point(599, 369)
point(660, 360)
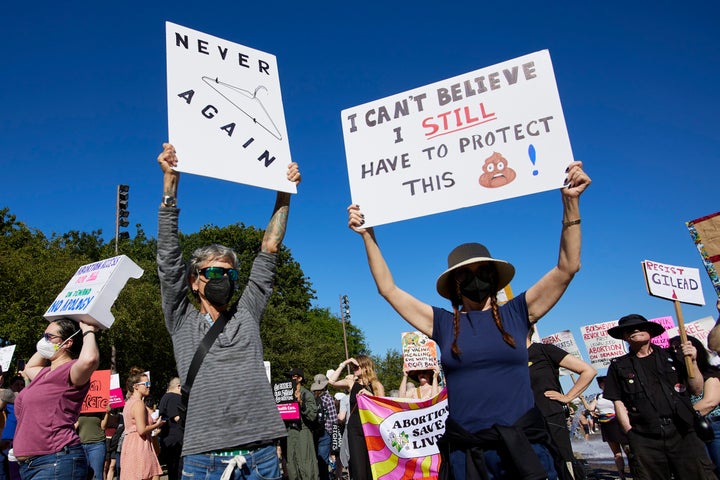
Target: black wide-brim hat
point(295, 371)
point(632, 322)
point(466, 254)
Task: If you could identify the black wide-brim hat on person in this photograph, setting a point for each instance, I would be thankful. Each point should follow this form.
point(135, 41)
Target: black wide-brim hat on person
point(466, 254)
point(295, 371)
point(633, 322)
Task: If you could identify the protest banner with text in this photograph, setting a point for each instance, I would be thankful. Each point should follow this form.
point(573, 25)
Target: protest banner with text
point(699, 329)
point(487, 135)
point(419, 351)
point(673, 282)
point(98, 396)
point(401, 436)
point(566, 341)
point(93, 289)
point(285, 399)
point(225, 111)
point(602, 347)
point(117, 396)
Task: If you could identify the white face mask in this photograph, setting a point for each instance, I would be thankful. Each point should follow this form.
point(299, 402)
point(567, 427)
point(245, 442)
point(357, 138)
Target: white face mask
point(714, 359)
point(47, 349)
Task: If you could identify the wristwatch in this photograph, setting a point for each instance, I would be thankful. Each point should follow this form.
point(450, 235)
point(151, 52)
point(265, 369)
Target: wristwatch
point(168, 201)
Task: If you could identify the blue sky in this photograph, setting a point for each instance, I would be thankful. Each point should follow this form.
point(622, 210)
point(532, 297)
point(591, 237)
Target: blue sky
point(83, 91)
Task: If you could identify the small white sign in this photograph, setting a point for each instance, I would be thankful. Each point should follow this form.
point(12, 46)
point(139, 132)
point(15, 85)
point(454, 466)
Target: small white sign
point(225, 112)
point(488, 135)
point(673, 282)
point(566, 341)
point(601, 347)
point(699, 329)
point(93, 289)
point(6, 354)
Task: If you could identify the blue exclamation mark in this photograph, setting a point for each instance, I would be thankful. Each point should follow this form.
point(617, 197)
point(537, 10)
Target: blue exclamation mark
point(531, 154)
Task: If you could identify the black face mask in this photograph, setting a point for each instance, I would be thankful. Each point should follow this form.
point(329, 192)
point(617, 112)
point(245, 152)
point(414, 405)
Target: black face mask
point(218, 291)
point(479, 286)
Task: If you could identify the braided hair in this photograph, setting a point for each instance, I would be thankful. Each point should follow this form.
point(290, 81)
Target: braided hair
point(457, 302)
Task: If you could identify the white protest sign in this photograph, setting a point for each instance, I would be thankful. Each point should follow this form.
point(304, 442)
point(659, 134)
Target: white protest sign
point(487, 135)
point(566, 341)
point(225, 112)
point(419, 351)
point(93, 289)
point(6, 354)
point(602, 347)
point(699, 329)
point(673, 282)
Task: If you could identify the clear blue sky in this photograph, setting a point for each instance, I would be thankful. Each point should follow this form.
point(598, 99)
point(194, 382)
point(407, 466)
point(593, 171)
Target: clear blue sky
point(84, 108)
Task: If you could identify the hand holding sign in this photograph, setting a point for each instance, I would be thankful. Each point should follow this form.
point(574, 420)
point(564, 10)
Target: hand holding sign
point(577, 180)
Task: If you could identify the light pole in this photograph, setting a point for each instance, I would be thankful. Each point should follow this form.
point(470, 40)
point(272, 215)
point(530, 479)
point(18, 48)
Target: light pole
point(121, 213)
point(345, 315)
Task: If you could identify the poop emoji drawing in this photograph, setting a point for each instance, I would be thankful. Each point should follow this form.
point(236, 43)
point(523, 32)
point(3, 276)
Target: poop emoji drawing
point(496, 172)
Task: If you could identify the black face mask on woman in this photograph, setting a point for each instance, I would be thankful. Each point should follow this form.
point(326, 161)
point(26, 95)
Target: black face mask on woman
point(218, 291)
point(478, 286)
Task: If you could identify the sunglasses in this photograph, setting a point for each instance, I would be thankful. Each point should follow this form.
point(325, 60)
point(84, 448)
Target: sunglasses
point(147, 384)
point(50, 336)
point(218, 272)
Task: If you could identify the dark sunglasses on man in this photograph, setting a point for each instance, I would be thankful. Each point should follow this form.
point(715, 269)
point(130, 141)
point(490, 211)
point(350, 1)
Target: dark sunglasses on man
point(218, 272)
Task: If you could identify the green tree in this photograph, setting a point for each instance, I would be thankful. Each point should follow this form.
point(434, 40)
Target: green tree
point(34, 269)
point(389, 369)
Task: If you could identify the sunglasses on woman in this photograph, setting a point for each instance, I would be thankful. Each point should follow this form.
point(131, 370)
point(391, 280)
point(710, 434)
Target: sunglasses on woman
point(218, 272)
point(147, 384)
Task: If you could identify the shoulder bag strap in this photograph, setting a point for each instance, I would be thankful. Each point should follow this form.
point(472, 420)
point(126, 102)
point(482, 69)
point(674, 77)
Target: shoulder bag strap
point(200, 353)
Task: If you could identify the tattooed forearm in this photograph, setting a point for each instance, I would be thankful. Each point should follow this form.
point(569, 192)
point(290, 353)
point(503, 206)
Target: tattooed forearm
point(275, 231)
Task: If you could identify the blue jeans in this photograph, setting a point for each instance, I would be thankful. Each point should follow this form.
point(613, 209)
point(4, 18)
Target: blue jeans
point(713, 447)
point(95, 454)
point(496, 469)
point(323, 454)
point(323, 447)
point(262, 464)
point(67, 464)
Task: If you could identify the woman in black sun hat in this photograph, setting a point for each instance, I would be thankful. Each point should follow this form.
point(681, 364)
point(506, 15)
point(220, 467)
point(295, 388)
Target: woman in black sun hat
point(492, 420)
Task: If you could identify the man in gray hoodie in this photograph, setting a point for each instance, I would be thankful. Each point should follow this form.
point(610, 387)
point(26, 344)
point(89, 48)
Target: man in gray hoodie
point(232, 421)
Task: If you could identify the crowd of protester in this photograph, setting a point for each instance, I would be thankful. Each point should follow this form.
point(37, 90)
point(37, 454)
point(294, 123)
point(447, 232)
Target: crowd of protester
point(508, 414)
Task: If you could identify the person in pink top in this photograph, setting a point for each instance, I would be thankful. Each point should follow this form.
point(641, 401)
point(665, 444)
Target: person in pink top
point(46, 443)
point(137, 458)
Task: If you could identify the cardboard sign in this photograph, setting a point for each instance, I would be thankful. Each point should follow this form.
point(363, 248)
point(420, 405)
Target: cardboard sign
point(705, 232)
point(6, 355)
point(602, 347)
point(93, 289)
point(566, 341)
point(488, 135)
point(98, 397)
point(285, 399)
point(419, 351)
point(225, 112)
point(673, 282)
point(401, 436)
point(117, 395)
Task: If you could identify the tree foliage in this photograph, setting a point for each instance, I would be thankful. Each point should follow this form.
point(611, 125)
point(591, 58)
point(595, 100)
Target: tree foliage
point(35, 268)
